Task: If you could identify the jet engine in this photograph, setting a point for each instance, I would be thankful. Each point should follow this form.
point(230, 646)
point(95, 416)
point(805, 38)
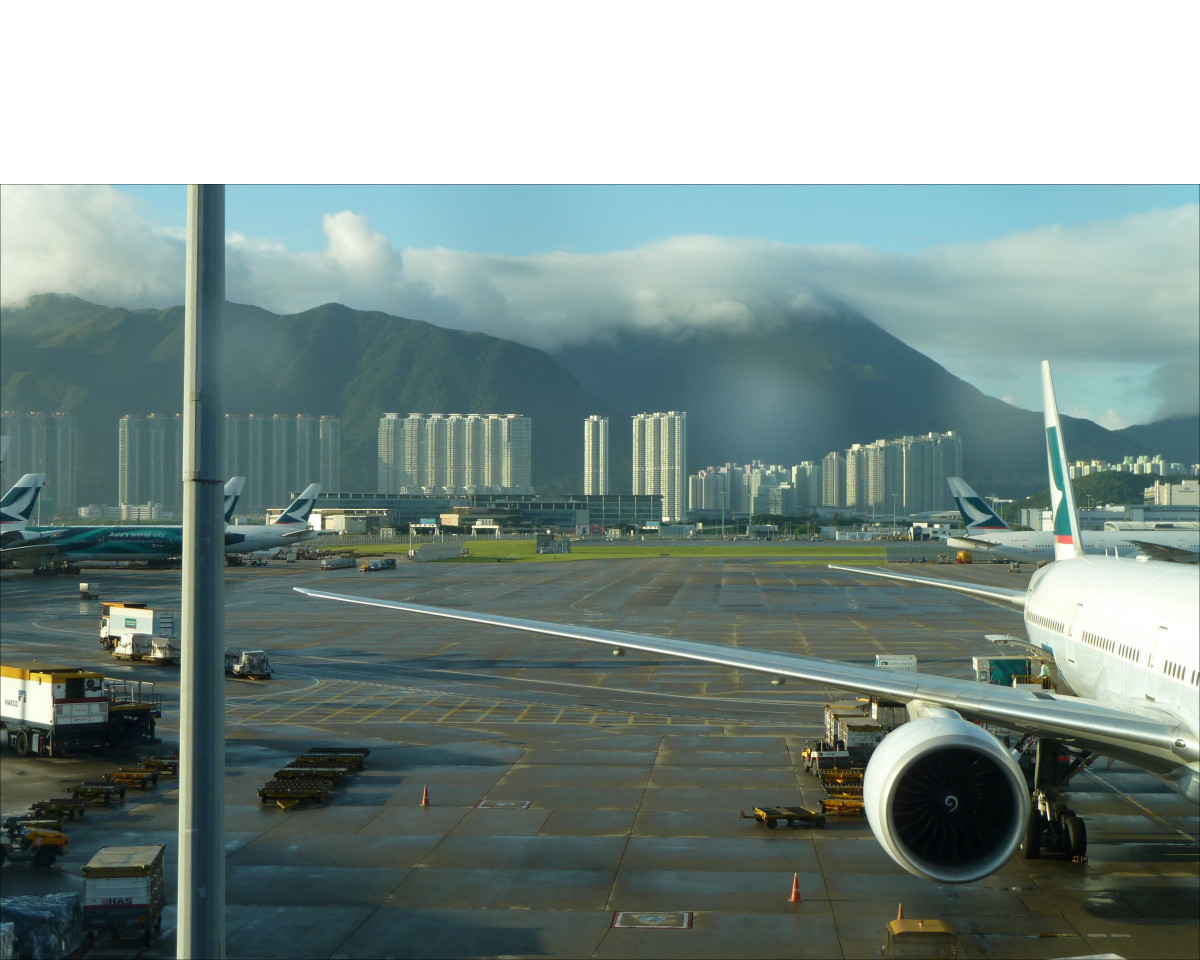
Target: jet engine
point(945, 799)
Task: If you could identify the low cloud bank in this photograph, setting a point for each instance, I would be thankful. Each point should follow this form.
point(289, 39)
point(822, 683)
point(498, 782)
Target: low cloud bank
point(1119, 298)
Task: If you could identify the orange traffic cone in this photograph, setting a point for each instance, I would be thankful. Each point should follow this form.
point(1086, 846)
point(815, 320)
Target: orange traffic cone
point(900, 912)
point(795, 897)
point(425, 797)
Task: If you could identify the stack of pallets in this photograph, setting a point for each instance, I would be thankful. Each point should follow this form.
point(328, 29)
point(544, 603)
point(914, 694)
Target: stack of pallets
point(312, 775)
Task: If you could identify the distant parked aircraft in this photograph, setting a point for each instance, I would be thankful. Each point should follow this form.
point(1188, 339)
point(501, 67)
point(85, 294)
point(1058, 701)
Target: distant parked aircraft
point(987, 533)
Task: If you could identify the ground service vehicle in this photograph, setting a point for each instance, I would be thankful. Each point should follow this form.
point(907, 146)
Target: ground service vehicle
point(380, 563)
point(48, 707)
point(252, 664)
point(337, 563)
point(124, 892)
point(22, 843)
point(50, 710)
point(127, 619)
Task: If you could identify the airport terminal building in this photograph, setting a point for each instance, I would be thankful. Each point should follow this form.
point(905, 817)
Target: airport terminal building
point(585, 513)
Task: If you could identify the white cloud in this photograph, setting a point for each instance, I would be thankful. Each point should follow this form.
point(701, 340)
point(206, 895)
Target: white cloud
point(1114, 304)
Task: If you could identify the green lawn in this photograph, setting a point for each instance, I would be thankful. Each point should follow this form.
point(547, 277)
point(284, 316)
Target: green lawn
point(522, 551)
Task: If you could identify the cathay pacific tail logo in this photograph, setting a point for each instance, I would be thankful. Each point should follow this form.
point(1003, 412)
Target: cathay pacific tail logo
point(1058, 484)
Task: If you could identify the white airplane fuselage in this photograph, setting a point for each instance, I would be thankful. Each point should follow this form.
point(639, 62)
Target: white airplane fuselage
point(269, 536)
point(1037, 546)
point(1083, 613)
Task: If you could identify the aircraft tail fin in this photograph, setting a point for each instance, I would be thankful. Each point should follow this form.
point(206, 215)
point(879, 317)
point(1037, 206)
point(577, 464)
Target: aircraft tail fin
point(233, 491)
point(17, 506)
point(976, 512)
point(301, 507)
point(1067, 542)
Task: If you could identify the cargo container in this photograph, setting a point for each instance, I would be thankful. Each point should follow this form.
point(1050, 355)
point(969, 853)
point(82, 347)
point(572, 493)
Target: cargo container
point(141, 646)
point(337, 563)
point(124, 892)
point(252, 664)
point(999, 670)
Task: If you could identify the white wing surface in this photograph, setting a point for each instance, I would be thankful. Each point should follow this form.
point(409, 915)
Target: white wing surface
point(1091, 725)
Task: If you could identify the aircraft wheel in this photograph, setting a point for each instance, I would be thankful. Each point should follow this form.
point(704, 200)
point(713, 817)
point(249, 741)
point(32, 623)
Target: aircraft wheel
point(772, 823)
point(45, 857)
point(1031, 846)
point(1076, 836)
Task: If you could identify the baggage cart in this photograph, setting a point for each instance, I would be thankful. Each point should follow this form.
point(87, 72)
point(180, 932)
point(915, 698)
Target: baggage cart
point(133, 777)
point(94, 792)
point(72, 807)
point(792, 816)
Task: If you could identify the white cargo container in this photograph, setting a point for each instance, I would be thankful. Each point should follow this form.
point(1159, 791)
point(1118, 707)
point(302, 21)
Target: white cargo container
point(337, 563)
point(904, 662)
point(45, 707)
point(126, 619)
point(252, 664)
point(141, 646)
point(124, 892)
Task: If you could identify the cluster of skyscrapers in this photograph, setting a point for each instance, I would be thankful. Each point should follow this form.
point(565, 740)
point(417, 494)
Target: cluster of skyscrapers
point(437, 454)
point(906, 475)
point(277, 454)
point(659, 459)
point(42, 443)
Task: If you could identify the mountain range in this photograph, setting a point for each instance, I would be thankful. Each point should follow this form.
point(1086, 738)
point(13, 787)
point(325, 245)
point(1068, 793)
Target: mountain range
point(819, 380)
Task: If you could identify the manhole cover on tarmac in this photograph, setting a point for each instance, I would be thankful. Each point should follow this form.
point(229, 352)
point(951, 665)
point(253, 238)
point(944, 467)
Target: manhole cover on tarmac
point(503, 804)
point(660, 920)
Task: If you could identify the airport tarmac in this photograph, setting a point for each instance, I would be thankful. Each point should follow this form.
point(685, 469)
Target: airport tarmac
point(580, 804)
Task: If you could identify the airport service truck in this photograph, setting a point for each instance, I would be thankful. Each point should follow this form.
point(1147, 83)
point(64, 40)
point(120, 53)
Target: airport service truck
point(124, 892)
point(51, 710)
point(127, 619)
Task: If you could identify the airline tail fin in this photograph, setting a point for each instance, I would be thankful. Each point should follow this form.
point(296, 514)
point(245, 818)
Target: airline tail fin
point(977, 514)
point(1067, 542)
point(233, 491)
point(301, 507)
point(17, 506)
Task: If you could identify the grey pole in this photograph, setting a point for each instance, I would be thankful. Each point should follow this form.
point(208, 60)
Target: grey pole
point(201, 897)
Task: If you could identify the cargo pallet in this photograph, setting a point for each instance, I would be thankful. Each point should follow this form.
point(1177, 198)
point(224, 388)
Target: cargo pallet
point(92, 792)
point(71, 806)
point(289, 793)
point(163, 766)
point(133, 777)
point(312, 775)
point(793, 816)
point(844, 805)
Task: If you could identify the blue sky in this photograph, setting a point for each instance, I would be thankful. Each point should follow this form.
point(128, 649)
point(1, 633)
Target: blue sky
point(524, 220)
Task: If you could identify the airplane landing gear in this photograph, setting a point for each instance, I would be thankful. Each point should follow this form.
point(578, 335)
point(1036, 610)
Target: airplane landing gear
point(1052, 825)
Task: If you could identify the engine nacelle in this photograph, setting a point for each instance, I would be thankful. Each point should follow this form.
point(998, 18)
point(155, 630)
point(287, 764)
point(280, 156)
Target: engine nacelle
point(945, 799)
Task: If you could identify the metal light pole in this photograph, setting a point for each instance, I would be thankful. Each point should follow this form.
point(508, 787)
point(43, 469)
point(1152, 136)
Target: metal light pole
point(201, 897)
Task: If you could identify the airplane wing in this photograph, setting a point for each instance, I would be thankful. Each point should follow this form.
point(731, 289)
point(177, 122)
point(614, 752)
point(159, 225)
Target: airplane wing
point(1160, 551)
point(1013, 598)
point(1088, 724)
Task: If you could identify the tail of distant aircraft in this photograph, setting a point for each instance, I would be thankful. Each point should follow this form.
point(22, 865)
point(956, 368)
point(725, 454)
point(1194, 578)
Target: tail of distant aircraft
point(1067, 542)
point(233, 490)
point(17, 506)
point(297, 513)
point(977, 514)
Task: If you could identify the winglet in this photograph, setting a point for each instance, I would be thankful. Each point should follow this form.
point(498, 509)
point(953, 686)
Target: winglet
point(1067, 543)
point(977, 514)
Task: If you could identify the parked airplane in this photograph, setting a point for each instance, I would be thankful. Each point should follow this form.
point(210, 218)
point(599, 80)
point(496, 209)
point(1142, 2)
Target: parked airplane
point(291, 527)
point(987, 533)
point(944, 798)
point(17, 507)
point(50, 549)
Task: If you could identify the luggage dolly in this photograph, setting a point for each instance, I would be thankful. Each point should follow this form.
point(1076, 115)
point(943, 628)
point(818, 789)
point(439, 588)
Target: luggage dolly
point(795, 816)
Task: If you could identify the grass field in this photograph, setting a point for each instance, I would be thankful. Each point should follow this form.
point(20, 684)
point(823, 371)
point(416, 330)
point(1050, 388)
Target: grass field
point(524, 551)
